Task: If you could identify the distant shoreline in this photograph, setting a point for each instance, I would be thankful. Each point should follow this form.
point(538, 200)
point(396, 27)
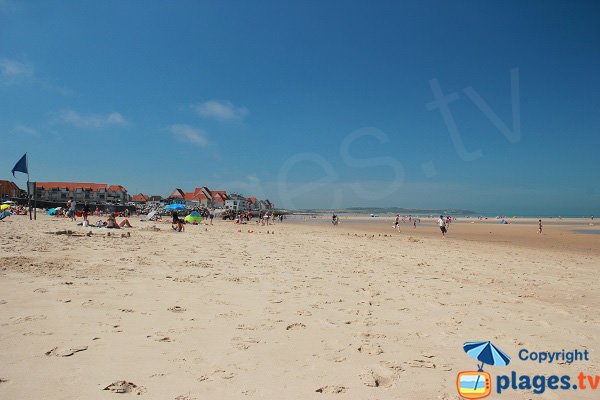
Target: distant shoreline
point(391, 211)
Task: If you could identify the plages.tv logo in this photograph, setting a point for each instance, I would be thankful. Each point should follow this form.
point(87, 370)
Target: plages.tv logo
point(478, 384)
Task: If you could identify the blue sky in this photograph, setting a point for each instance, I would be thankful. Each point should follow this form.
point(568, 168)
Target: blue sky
point(312, 103)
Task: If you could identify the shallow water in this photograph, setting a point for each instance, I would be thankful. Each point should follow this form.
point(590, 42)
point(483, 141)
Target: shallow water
point(588, 231)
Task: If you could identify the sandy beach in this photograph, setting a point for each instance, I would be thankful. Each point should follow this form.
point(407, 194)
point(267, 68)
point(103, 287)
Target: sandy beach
point(311, 311)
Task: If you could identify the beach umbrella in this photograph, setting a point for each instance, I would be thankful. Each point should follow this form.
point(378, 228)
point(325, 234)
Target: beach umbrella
point(487, 353)
point(4, 206)
point(175, 207)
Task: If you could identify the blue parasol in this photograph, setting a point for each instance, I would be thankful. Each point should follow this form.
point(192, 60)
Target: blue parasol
point(487, 353)
point(175, 207)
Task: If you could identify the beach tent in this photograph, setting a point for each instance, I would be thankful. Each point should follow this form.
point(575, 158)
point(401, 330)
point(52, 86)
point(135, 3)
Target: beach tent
point(52, 211)
point(4, 214)
point(4, 206)
point(193, 217)
point(175, 207)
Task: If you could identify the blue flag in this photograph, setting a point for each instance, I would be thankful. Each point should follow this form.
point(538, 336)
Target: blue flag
point(21, 165)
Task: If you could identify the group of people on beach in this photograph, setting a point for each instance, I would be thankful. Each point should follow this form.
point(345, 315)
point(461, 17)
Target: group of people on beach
point(111, 218)
point(410, 220)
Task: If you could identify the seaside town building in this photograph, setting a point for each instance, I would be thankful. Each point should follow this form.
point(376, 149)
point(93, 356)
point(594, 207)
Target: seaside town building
point(205, 197)
point(201, 196)
point(81, 192)
point(9, 189)
point(237, 203)
point(140, 198)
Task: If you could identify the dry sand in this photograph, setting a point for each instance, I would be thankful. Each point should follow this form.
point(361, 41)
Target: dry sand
point(313, 311)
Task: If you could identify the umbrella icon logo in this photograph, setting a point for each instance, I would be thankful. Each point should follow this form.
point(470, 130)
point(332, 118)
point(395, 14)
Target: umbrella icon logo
point(478, 384)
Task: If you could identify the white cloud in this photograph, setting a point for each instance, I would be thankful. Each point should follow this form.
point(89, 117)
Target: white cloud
point(91, 120)
point(189, 134)
point(12, 71)
point(220, 110)
point(26, 130)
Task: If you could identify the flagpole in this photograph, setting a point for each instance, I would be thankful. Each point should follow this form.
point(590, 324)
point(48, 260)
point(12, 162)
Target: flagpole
point(28, 191)
point(33, 194)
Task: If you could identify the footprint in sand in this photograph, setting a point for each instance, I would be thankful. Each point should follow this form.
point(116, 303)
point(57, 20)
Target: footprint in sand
point(421, 364)
point(379, 377)
point(332, 389)
point(371, 349)
point(176, 309)
point(90, 303)
point(370, 335)
point(28, 319)
point(124, 387)
point(62, 352)
point(294, 326)
point(244, 343)
point(216, 374)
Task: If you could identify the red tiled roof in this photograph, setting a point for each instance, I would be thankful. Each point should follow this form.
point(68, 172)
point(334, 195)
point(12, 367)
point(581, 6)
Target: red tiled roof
point(177, 194)
point(71, 186)
point(140, 198)
point(117, 188)
point(218, 197)
point(219, 193)
point(252, 200)
point(195, 196)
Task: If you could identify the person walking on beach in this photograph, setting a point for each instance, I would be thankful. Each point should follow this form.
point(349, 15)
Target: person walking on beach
point(72, 208)
point(442, 224)
point(540, 226)
point(397, 223)
point(86, 211)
